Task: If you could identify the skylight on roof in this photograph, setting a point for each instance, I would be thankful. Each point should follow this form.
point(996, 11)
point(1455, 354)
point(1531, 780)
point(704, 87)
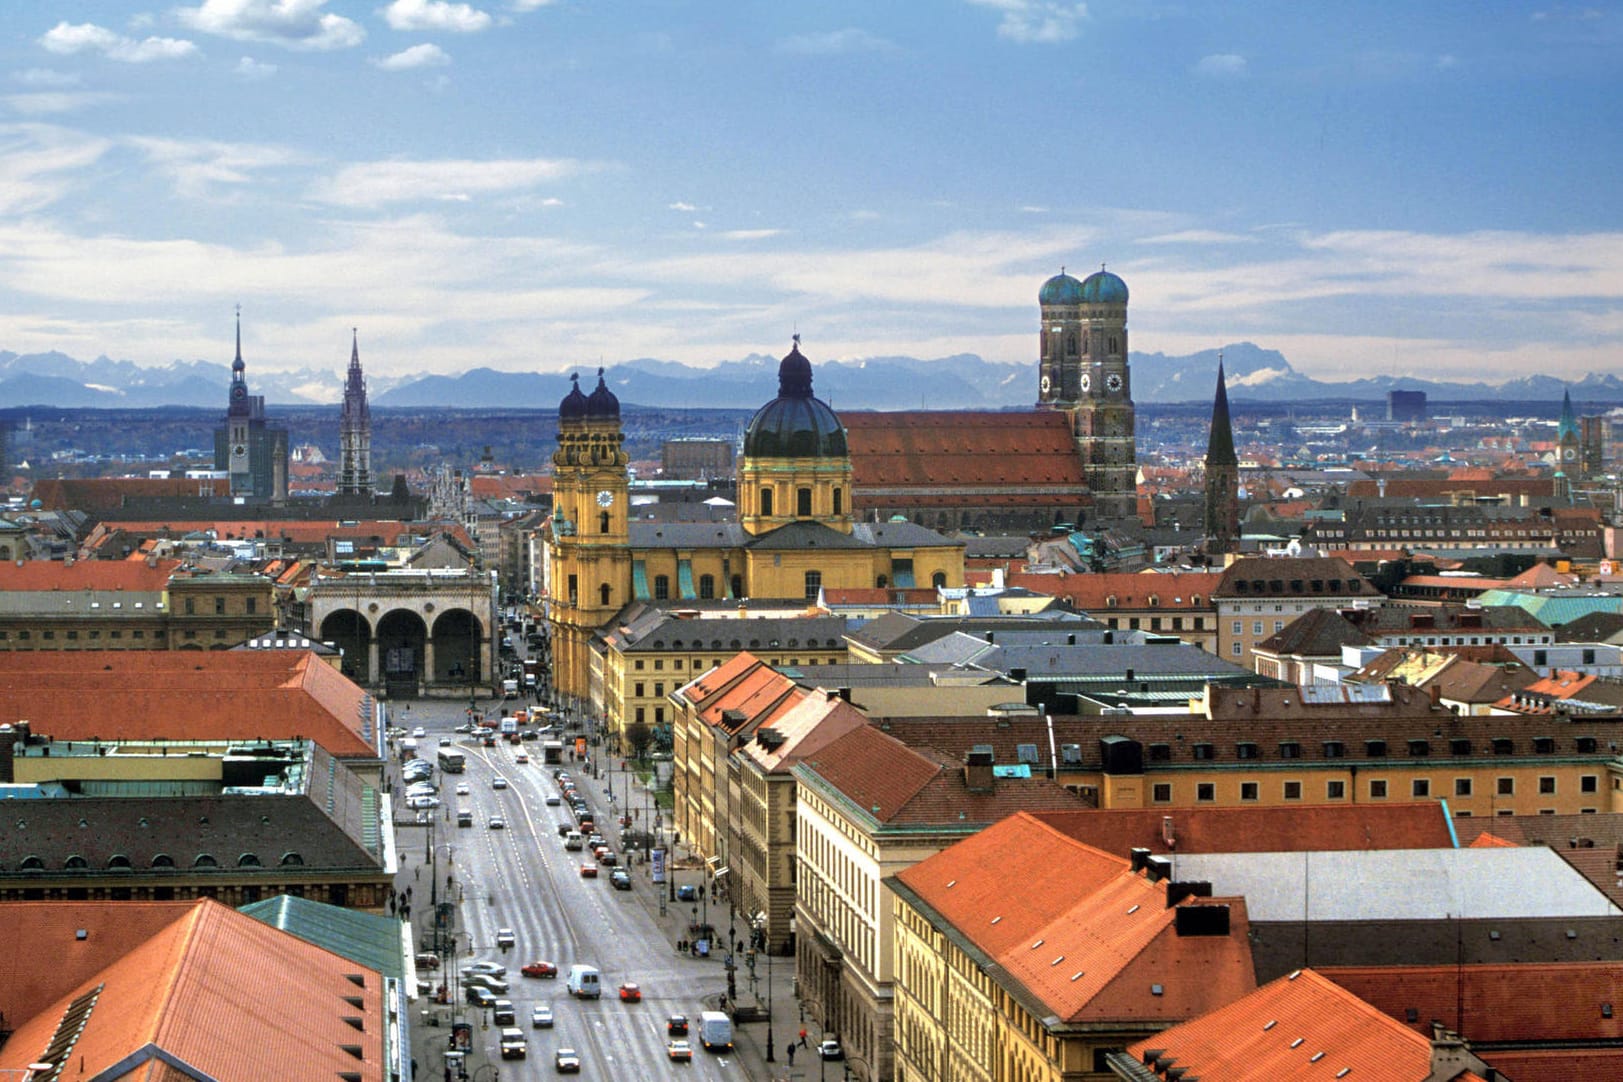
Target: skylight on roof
point(1078, 974)
point(1037, 944)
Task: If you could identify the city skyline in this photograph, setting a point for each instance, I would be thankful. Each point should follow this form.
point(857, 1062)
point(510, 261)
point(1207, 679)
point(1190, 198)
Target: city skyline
point(527, 185)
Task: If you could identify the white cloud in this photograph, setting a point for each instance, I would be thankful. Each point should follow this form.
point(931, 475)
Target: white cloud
point(292, 24)
point(253, 70)
point(849, 40)
point(197, 166)
point(750, 234)
point(1198, 236)
point(46, 77)
point(1221, 66)
point(375, 184)
point(1032, 209)
point(530, 5)
point(434, 15)
point(46, 102)
point(36, 161)
point(427, 55)
point(685, 208)
point(70, 38)
point(1043, 22)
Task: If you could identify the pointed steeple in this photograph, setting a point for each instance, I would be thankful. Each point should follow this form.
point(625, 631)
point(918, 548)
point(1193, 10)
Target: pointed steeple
point(1220, 443)
point(1568, 428)
point(237, 365)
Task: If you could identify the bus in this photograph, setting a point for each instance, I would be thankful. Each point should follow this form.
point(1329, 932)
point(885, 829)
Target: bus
point(552, 751)
point(452, 761)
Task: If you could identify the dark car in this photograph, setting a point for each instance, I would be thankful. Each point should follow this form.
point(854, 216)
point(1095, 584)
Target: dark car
point(620, 879)
point(687, 892)
point(677, 1025)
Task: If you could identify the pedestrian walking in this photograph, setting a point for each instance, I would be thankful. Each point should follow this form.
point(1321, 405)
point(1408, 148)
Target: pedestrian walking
point(791, 1053)
point(803, 1037)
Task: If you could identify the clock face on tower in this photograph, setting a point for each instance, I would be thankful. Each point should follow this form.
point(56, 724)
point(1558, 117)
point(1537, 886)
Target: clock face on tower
point(1113, 382)
point(1569, 454)
point(605, 498)
point(1087, 382)
point(239, 451)
point(239, 391)
point(1046, 385)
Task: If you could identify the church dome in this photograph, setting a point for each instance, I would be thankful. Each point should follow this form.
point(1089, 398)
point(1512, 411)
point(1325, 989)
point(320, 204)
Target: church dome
point(573, 407)
point(1060, 289)
point(795, 424)
point(1102, 287)
point(602, 405)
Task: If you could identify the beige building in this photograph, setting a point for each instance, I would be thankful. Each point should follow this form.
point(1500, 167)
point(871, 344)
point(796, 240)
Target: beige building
point(868, 807)
point(1258, 596)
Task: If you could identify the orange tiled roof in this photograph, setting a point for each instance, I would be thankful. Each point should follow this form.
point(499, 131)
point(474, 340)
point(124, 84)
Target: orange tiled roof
point(1301, 1027)
point(186, 695)
point(1084, 934)
point(917, 448)
point(180, 992)
point(45, 575)
point(1257, 830)
point(746, 685)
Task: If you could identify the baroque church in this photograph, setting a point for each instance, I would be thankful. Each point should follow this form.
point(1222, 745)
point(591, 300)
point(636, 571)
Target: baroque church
point(795, 533)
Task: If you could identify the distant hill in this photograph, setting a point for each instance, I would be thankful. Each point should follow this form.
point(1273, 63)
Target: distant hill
point(961, 381)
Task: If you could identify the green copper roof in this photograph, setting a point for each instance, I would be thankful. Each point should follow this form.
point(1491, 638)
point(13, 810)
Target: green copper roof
point(364, 938)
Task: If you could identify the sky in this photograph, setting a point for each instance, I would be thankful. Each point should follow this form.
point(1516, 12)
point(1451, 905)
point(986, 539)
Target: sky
point(1406, 187)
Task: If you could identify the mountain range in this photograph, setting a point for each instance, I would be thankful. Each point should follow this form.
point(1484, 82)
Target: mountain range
point(962, 381)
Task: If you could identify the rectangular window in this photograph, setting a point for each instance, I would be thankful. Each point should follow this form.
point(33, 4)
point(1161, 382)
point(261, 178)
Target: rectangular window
point(1239, 627)
point(1289, 749)
point(1420, 787)
point(1462, 786)
point(659, 689)
point(73, 634)
point(659, 664)
point(1160, 753)
point(1419, 749)
point(1334, 749)
point(1202, 751)
point(641, 714)
point(637, 690)
point(659, 715)
point(1205, 792)
point(1335, 790)
point(250, 605)
point(1377, 789)
point(1506, 786)
point(1235, 650)
point(1544, 745)
point(1248, 790)
point(1375, 749)
point(191, 606)
point(219, 606)
point(1256, 627)
point(1588, 783)
point(1546, 785)
point(1293, 790)
point(1459, 746)
point(1161, 792)
point(1245, 751)
point(50, 635)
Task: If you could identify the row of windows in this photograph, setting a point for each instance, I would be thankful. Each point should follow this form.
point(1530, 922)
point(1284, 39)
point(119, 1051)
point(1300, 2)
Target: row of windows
point(1374, 749)
point(120, 862)
point(1135, 623)
point(250, 605)
point(25, 634)
point(1419, 789)
point(803, 501)
point(1297, 586)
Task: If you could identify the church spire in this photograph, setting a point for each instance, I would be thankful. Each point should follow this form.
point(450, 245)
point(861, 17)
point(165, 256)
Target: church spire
point(355, 428)
point(1222, 507)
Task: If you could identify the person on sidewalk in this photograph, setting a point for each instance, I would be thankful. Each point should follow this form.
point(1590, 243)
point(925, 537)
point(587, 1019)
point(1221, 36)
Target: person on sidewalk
point(790, 1051)
point(803, 1037)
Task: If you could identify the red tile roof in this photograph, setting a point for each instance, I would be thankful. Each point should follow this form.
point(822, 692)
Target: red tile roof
point(186, 695)
point(1174, 592)
point(1301, 1027)
point(930, 448)
point(44, 575)
point(181, 992)
point(1257, 830)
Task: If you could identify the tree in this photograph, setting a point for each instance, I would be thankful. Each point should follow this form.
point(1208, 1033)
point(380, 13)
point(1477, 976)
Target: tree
point(637, 736)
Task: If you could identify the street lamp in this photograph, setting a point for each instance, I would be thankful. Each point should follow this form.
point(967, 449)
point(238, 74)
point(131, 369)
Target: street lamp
point(758, 923)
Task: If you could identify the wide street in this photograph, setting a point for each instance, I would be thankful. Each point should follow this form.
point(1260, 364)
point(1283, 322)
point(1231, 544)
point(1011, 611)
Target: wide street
point(522, 878)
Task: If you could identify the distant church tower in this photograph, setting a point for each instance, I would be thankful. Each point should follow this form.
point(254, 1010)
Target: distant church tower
point(355, 430)
point(1566, 436)
point(246, 447)
point(1082, 369)
point(1222, 522)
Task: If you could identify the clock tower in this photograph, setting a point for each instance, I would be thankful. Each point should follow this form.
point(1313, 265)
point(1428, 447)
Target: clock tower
point(590, 555)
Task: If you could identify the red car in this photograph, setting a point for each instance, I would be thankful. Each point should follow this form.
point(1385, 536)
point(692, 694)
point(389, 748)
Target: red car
point(630, 992)
point(540, 969)
point(588, 871)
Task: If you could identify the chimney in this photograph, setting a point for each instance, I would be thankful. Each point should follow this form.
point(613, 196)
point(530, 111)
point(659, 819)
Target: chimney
point(1452, 1057)
point(1177, 890)
point(1201, 920)
point(1138, 857)
point(978, 772)
point(1157, 869)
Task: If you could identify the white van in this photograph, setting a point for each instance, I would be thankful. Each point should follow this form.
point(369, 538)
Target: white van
point(584, 982)
point(573, 841)
point(715, 1031)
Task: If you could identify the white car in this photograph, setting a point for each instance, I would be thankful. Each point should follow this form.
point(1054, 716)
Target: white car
point(504, 938)
point(498, 823)
point(461, 788)
point(498, 782)
point(418, 803)
point(419, 732)
point(492, 969)
point(541, 1016)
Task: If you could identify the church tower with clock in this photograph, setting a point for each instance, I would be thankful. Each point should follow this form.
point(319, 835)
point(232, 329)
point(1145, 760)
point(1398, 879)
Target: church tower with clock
point(1083, 371)
point(590, 567)
point(252, 453)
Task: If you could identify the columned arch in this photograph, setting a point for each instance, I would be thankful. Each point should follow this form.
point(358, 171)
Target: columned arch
point(455, 645)
point(403, 649)
point(349, 631)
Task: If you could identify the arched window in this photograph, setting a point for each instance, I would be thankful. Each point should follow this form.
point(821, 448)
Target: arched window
point(939, 579)
point(603, 593)
point(163, 860)
point(803, 502)
point(292, 860)
point(839, 502)
point(662, 587)
point(249, 860)
point(75, 863)
point(205, 861)
point(31, 864)
point(814, 583)
point(707, 587)
point(118, 862)
point(603, 522)
point(766, 501)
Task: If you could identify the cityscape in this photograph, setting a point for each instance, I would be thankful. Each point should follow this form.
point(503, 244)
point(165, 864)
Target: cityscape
point(702, 543)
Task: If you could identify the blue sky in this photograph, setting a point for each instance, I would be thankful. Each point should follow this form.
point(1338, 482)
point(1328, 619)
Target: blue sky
point(1402, 187)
